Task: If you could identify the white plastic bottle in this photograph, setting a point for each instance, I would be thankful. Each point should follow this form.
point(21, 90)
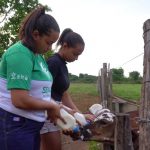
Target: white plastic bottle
point(95, 108)
point(80, 118)
point(69, 119)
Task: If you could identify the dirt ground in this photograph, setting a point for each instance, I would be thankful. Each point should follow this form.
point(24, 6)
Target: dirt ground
point(83, 102)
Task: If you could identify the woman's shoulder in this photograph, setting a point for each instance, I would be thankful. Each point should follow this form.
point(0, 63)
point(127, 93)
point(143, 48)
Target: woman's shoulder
point(18, 49)
point(54, 59)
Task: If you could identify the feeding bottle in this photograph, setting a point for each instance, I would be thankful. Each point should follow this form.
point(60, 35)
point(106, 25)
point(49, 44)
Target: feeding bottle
point(69, 119)
point(80, 118)
point(95, 108)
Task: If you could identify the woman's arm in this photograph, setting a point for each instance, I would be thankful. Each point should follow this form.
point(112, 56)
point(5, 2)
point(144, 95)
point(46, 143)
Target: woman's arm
point(21, 99)
point(67, 101)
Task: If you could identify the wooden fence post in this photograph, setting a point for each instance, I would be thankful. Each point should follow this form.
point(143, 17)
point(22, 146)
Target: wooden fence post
point(105, 88)
point(123, 136)
point(104, 85)
point(110, 95)
point(144, 120)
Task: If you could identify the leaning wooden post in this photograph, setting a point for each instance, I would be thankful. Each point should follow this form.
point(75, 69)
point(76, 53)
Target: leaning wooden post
point(123, 136)
point(104, 91)
point(110, 88)
point(144, 120)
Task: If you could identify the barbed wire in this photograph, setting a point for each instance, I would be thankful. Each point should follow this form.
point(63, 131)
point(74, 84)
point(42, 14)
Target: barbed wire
point(132, 59)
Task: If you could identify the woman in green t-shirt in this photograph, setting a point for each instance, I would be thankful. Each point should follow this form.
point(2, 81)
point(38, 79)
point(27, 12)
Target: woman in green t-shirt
point(25, 84)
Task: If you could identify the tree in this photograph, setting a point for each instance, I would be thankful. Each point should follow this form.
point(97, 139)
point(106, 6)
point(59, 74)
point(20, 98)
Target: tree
point(134, 75)
point(73, 78)
point(85, 78)
point(11, 13)
point(81, 75)
point(117, 74)
point(48, 54)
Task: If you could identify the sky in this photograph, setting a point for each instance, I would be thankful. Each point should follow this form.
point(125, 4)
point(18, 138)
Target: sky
point(112, 31)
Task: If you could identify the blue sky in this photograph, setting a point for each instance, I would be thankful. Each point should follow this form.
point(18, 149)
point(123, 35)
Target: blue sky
point(112, 31)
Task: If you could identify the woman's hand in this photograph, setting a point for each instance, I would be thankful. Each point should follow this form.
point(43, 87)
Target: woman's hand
point(69, 110)
point(89, 117)
point(54, 113)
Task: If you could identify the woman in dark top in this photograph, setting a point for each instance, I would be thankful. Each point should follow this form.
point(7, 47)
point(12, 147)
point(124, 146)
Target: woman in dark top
point(57, 67)
point(71, 46)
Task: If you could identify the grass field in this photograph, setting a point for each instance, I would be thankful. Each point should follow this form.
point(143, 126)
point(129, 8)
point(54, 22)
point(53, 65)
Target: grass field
point(126, 91)
point(84, 88)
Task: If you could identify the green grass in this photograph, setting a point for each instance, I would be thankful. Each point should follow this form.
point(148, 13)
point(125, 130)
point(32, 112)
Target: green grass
point(127, 91)
point(94, 145)
point(84, 88)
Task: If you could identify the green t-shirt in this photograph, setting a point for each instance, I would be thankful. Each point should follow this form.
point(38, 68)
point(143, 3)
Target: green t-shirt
point(20, 68)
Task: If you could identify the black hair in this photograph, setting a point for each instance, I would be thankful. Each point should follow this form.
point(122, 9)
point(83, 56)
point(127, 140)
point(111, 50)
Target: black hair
point(70, 38)
point(37, 20)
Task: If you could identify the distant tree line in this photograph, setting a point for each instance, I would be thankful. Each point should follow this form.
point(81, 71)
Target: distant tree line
point(117, 77)
point(83, 78)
